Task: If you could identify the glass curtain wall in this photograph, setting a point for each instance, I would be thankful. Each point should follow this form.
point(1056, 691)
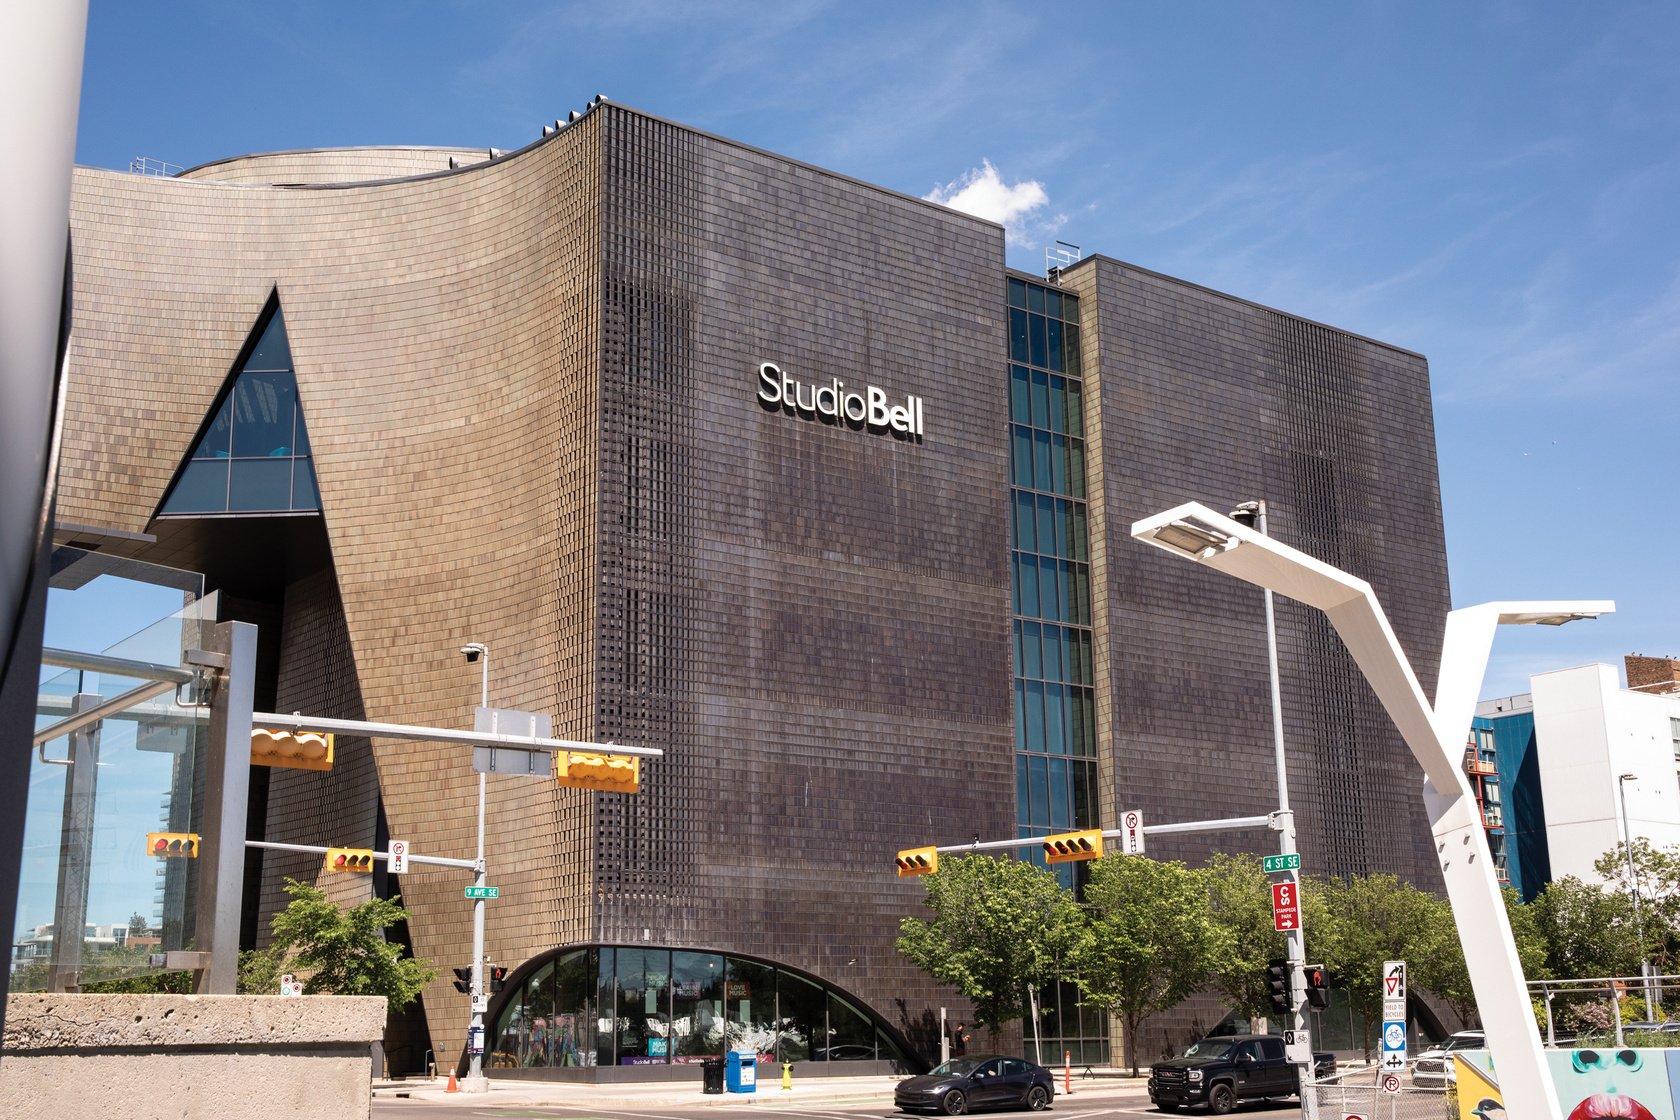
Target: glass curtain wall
point(634, 1005)
point(1055, 698)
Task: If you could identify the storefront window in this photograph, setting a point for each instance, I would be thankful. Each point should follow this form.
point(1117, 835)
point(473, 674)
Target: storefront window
point(749, 994)
point(697, 1014)
point(644, 1003)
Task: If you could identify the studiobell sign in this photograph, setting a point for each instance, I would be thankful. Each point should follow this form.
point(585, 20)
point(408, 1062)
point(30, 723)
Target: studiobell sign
point(870, 408)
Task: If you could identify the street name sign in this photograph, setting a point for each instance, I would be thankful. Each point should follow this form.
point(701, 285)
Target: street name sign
point(396, 861)
point(1286, 906)
point(1131, 824)
point(484, 892)
point(1290, 862)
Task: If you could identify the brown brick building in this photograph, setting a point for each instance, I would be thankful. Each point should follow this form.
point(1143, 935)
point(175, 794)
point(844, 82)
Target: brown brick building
point(392, 401)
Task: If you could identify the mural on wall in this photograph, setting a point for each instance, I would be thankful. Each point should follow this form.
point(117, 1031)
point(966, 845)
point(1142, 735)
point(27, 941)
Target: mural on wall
point(1607, 1084)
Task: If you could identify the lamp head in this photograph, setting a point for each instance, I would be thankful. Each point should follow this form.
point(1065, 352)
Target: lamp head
point(1627, 777)
point(473, 651)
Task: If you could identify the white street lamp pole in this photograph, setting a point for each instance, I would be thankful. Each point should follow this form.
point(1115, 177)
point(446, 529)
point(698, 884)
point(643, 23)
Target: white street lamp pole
point(1435, 734)
point(475, 1081)
point(1633, 888)
point(1255, 513)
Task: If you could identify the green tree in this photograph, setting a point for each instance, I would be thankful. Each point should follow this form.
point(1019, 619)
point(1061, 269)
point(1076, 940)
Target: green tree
point(1364, 921)
point(259, 971)
point(1658, 871)
point(1240, 902)
point(1150, 941)
point(1441, 968)
point(344, 952)
point(997, 925)
point(1589, 931)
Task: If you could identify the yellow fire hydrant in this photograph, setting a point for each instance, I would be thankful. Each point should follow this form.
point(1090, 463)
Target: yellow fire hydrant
point(787, 1075)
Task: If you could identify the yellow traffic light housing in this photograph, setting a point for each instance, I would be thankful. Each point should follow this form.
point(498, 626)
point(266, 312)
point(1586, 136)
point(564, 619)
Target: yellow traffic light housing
point(609, 772)
point(350, 859)
point(295, 750)
point(172, 845)
point(917, 861)
point(1066, 847)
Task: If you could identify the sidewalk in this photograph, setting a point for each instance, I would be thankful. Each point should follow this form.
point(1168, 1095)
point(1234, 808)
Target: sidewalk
point(807, 1092)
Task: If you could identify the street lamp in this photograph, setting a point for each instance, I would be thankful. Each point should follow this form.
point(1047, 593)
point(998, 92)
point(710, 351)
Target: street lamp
point(1435, 734)
point(1633, 888)
point(1253, 514)
point(475, 1081)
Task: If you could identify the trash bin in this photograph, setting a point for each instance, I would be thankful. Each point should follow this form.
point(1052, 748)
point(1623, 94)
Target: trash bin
point(711, 1075)
point(741, 1072)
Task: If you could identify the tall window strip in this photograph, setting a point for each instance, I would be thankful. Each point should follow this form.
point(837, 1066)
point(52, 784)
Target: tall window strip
point(1055, 706)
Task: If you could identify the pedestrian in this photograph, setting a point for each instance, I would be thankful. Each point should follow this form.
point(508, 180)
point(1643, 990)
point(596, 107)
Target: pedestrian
point(959, 1041)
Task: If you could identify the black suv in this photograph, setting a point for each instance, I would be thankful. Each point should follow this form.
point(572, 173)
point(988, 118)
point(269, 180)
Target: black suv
point(1219, 1072)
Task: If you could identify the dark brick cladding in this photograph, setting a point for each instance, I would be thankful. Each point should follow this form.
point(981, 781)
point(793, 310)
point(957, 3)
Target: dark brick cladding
point(1206, 397)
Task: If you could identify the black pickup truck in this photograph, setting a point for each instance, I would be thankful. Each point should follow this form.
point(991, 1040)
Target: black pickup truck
point(1219, 1072)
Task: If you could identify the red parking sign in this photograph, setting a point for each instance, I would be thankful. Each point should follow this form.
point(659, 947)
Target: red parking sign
point(1286, 906)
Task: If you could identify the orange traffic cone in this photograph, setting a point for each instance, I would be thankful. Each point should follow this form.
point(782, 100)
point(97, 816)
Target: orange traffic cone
point(453, 1088)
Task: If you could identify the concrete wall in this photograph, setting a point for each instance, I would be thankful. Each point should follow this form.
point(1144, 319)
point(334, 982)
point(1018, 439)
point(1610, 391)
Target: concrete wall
point(189, 1057)
point(1589, 731)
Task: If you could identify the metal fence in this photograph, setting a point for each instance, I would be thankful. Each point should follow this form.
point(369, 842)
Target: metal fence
point(1360, 1093)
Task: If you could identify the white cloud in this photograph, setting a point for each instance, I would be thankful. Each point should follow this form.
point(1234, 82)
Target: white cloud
point(983, 193)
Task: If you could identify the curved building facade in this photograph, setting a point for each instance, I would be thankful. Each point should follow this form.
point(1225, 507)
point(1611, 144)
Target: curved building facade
point(728, 455)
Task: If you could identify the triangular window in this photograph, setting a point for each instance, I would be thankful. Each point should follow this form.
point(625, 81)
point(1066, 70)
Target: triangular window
point(253, 457)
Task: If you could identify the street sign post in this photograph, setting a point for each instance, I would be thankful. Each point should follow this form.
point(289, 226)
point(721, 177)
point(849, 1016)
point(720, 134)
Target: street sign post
point(1131, 822)
point(1274, 864)
point(396, 857)
point(1286, 906)
point(483, 892)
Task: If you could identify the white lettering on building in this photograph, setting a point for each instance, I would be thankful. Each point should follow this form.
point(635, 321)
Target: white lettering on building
point(871, 408)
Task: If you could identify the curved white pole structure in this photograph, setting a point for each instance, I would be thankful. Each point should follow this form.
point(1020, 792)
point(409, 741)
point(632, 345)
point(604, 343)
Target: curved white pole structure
point(1436, 735)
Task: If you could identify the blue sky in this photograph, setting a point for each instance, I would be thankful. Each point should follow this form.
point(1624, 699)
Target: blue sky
point(1491, 184)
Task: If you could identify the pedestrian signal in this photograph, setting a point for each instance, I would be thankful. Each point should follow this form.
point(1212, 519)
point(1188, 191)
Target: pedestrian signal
point(498, 976)
point(1066, 847)
point(296, 750)
point(1277, 986)
point(1318, 985)
point(350, 859)
point(173, 845)
point(463, 979)
point(917, 861)
point(609, 772)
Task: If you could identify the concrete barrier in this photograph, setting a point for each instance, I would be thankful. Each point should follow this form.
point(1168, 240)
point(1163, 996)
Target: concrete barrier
point(151, 1057)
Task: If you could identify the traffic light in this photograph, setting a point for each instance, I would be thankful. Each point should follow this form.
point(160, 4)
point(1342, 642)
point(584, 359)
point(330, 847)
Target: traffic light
point(463, 979)
point(1065, 847)
point(918, 861)
point(498, 976)
point(1277, 985)
point(296, 750)
point(350, 859)
point(172, 845)
point(1318, 985)
point(609, 772)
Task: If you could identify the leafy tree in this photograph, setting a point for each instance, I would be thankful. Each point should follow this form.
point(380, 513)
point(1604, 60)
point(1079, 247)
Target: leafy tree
point(1588, 930)
point(1441, 967)
point(1364, 921)
point(137, 924)
point(1240, 903)
point(1658, 872)
point(997, 926)
point(259, 971)
point(344, 951)
point(1150, 941)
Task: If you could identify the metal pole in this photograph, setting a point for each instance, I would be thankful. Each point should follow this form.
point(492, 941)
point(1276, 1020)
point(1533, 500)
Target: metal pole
point(475, 1081)
point(1293, 939)
point(75, 851)
point(1633, 887)
point(227, 782)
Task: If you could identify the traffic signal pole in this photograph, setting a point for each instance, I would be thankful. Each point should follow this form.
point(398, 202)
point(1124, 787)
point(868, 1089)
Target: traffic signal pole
point(1284, 822)
point(475, 1081)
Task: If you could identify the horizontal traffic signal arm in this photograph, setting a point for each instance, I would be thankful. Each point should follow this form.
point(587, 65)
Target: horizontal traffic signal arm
point(299, 721)
point(320, 850)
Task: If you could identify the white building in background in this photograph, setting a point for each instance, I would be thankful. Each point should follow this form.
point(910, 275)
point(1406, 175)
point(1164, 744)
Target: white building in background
point(1588, 732)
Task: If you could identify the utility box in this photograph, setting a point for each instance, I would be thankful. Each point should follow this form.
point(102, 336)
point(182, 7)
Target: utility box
point(741, 1071)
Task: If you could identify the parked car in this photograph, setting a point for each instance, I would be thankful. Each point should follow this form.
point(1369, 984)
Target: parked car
point(1219, 1072)
point(1434, 1068)
point(970, 1083)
